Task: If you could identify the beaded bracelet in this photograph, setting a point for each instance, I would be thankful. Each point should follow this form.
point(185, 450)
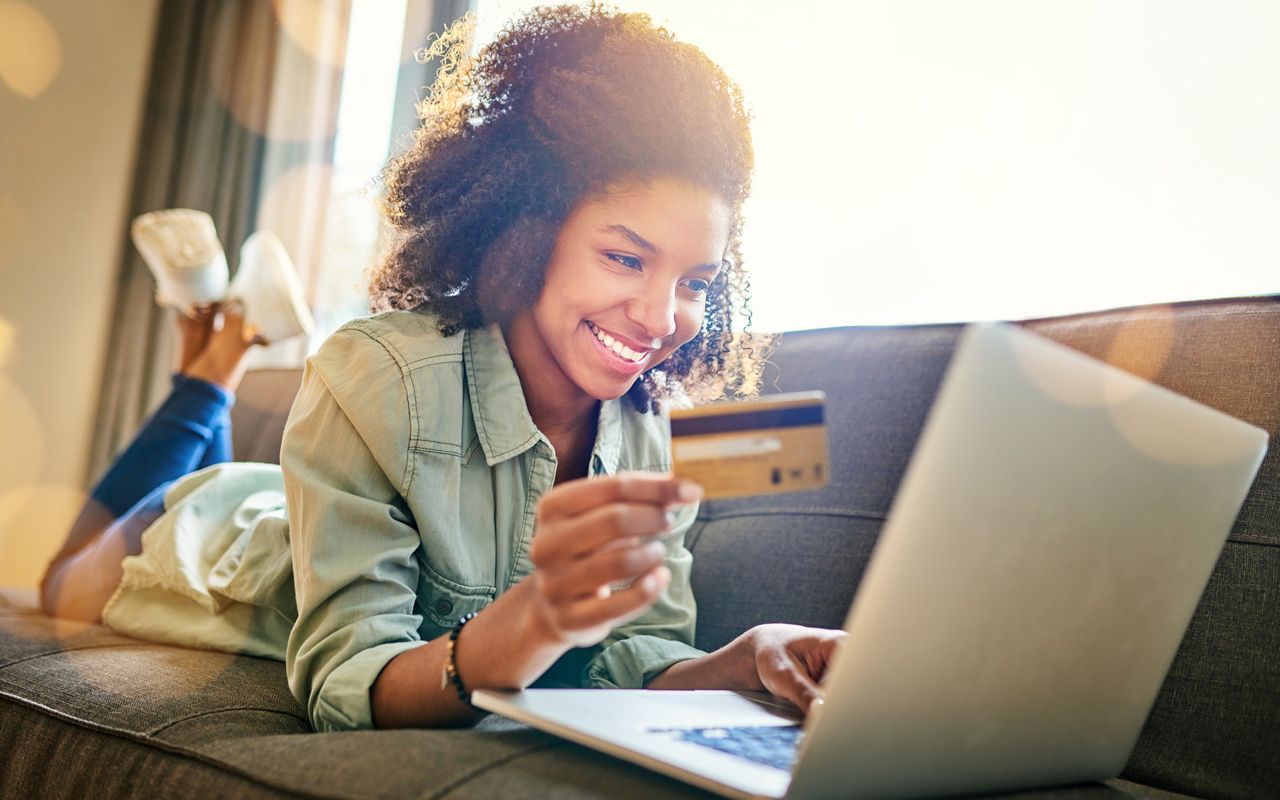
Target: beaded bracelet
point(450, 673)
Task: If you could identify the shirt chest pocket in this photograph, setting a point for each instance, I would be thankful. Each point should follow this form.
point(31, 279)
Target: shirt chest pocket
point(443, 602)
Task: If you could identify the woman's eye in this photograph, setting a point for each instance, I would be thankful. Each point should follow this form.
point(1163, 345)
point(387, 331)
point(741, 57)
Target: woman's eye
point(699, 286)
point(630, 262)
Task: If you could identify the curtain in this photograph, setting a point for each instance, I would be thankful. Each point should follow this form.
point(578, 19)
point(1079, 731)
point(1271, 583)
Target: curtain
point(241, 118)
point(235, 85)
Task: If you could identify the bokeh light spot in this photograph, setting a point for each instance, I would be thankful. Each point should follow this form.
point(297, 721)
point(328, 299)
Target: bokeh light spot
point(34, 521)
point(1075, 384)
point(315, 26)
point(30, 55)
point(289, 207)
point(1140, 346)
point(1164, 432)
point(21, 437)
point(6, 343)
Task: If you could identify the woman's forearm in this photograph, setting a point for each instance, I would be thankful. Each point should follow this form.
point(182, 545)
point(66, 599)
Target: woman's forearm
point(504, 647)
point(731, 667)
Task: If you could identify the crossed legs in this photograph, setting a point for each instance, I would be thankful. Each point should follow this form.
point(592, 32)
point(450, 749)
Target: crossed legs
point(191, 430)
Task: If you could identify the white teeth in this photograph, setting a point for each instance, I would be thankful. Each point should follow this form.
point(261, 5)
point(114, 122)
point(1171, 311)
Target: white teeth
point(615, 345)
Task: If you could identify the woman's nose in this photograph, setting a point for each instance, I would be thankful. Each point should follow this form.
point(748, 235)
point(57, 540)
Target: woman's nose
point(655, 312)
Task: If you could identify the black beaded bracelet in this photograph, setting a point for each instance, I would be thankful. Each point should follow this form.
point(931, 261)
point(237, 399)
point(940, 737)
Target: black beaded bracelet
point(450, 674)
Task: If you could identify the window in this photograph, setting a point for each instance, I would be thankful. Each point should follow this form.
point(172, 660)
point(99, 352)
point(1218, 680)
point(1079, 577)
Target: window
point(364, 138)
point(922, 162)
point(925, 162)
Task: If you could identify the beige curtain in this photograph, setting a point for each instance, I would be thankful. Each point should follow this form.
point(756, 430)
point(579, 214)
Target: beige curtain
point(240, 122)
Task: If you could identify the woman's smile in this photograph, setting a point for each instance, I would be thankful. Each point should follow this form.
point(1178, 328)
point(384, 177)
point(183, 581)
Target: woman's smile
point(617, 353)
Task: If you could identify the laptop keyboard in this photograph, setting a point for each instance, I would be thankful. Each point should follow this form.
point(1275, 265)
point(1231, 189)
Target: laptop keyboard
point(772, 745)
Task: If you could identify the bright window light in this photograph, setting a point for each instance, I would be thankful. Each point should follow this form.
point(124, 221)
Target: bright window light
point(365, 108)
point(923, 162)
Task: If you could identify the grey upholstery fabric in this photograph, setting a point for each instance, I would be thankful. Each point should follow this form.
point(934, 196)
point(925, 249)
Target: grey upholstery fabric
point(257, 419)
point(85, 712)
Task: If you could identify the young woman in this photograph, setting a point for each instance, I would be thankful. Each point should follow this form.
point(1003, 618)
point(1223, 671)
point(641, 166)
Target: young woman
point(473, 488)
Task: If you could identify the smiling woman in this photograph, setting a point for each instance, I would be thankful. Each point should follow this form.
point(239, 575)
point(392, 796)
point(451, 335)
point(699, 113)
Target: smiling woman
point(493, 453)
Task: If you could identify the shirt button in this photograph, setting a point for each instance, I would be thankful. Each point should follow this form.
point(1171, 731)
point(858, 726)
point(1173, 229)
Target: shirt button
point(444, 607)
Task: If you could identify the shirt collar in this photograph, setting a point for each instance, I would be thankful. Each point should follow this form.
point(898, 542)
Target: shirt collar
point(497, 402)
point(501, 416)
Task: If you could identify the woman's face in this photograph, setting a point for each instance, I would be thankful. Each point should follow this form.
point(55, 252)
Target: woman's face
point(626, 286)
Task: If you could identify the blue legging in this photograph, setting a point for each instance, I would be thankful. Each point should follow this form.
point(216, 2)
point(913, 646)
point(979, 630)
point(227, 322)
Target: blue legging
point(190, 431)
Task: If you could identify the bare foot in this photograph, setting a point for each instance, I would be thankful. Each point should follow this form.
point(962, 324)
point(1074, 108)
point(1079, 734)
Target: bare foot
point(195, 332)
point(222, 360)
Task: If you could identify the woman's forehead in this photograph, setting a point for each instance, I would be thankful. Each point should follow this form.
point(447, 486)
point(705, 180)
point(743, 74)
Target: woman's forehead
point(661, 212)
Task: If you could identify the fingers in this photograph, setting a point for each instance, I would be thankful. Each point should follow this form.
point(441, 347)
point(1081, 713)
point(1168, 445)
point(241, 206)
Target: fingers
point(584, 577)
point(558, 540)
point(577, 497)
point(607, 611)
point(791, 681)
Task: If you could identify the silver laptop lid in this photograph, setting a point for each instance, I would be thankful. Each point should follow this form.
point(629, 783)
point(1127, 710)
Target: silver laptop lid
point(1043, 557)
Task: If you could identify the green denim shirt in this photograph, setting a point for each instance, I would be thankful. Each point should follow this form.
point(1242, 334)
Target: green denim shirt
point(411, 475)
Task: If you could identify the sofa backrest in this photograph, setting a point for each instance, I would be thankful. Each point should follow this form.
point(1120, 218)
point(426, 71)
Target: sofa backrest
point(262, 406)
point(1215, 729)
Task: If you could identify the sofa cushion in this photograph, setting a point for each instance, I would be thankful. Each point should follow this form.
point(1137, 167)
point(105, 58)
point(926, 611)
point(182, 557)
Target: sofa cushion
point(86, 712)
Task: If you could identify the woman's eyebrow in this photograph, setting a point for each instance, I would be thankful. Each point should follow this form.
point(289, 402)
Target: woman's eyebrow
point(636, 239)
point(645, 244)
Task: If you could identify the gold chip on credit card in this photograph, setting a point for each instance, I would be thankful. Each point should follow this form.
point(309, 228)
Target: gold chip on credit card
point(776, 443)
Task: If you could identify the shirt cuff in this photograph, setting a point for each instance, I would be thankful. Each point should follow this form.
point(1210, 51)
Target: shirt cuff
point(343, 703)
point(632, 662)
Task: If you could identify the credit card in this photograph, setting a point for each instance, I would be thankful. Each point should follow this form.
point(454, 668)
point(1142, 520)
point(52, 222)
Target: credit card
point(776, 443)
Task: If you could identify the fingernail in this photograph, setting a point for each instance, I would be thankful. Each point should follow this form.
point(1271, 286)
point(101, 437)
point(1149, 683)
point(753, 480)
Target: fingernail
point(649, 583)
point(689, 491)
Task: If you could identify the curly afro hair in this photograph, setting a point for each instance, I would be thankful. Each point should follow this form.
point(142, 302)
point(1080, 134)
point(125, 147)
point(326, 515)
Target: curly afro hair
point(566, 102)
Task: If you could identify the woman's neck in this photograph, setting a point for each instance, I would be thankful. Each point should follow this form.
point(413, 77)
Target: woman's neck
point(566, 415)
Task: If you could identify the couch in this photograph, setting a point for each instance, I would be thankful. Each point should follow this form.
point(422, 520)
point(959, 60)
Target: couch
point(85, 712)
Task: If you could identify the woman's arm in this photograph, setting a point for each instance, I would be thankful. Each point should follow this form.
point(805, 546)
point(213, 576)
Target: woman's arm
point(590, 534)
point(502, 648)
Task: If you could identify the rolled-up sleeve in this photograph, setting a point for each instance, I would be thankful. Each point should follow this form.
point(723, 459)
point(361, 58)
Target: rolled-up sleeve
point(636, 652)
point(346, 470)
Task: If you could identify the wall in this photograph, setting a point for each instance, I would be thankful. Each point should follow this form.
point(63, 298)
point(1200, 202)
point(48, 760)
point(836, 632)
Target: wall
point(73, 78)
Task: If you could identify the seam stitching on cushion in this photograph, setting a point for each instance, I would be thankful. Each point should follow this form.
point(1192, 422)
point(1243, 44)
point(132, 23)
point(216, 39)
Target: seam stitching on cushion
point(1253, 538)
point(461, 781)
point(156, 731)
point(159, 744)
point(8, 664)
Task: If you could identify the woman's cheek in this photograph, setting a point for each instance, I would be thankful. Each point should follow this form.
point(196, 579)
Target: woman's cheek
point(689, 328)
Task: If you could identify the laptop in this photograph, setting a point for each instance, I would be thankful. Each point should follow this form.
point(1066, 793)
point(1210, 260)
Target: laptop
point(1041, 561)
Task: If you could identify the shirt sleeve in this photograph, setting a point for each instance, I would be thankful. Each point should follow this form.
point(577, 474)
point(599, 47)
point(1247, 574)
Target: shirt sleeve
point(636, 652)
point(346, 469)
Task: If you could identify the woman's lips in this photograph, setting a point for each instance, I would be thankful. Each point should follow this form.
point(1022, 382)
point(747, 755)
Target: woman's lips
point(614, 361)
